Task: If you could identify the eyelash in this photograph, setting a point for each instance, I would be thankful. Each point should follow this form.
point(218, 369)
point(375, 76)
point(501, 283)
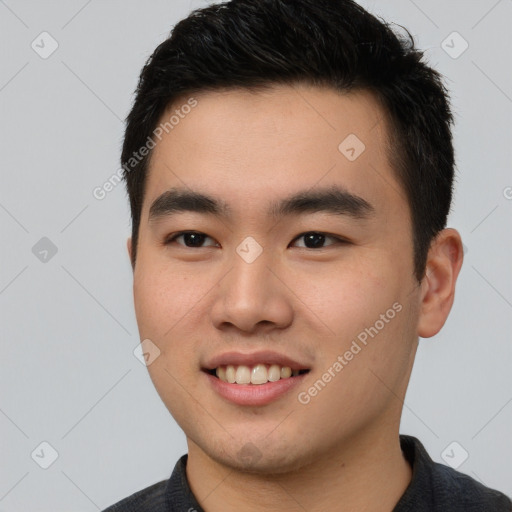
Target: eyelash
point(338, 240)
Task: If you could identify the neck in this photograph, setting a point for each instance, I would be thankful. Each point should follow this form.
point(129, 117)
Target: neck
point(368, 473)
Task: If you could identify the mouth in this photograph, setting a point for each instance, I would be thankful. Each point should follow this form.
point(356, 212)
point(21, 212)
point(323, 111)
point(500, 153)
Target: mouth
point(256, 375)
point(254, 379)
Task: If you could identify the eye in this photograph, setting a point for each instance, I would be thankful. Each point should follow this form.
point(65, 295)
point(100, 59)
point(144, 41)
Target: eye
point(192, 239)
point(316, 240)
point(196, 239)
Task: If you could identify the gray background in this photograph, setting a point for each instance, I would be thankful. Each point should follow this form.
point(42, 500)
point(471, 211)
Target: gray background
point(69, 376)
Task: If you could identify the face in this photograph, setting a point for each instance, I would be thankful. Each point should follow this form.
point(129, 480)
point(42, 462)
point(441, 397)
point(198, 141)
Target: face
point(297, 255)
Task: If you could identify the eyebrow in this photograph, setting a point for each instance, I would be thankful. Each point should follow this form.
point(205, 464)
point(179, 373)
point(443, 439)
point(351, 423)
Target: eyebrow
point(334, 200)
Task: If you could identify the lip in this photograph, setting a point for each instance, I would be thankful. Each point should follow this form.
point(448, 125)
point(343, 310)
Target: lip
point(253, 394)
point(262, 357)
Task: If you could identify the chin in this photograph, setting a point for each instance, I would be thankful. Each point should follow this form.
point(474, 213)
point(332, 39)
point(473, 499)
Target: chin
point(260, 457)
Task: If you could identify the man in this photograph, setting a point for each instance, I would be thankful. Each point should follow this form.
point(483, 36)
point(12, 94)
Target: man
point(289, 165)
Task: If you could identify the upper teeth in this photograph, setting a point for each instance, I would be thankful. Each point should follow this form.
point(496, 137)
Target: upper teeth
point(258, 374)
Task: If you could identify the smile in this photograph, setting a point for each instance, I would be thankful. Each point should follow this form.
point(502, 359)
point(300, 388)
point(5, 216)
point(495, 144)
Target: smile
point(256, 378)
point(257, 374)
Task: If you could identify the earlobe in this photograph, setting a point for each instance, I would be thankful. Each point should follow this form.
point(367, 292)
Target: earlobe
point(444, 262)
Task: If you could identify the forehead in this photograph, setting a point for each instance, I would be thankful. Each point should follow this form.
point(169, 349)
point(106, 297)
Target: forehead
point(251, 148)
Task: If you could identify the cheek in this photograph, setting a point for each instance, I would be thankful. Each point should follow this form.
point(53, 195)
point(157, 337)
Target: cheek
point(162, 298)
point(150, 305)
point(370, 376)
point(168, 310)
point(361, 305)
point(346, 297)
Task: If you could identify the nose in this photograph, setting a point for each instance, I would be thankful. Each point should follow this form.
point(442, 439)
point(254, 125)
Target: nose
point(252, 298)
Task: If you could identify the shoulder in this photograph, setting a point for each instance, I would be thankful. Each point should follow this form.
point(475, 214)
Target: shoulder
point(436, 487)
point(457, 489)
point(150, 499)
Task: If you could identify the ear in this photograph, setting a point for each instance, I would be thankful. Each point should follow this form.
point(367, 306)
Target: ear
point(129, 247)
point(444, 262)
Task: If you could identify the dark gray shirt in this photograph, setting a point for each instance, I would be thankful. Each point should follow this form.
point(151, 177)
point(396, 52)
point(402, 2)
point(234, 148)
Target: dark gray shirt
point(433, 488)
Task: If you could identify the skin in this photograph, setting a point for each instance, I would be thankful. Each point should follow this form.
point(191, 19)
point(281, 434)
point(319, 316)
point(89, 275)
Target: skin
point(341, 450)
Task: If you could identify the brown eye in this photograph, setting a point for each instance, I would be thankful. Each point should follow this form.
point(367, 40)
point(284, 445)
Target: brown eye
point(316, 240)
point(191, 239)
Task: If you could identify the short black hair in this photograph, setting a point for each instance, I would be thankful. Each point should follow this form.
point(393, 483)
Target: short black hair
point(254, 44)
